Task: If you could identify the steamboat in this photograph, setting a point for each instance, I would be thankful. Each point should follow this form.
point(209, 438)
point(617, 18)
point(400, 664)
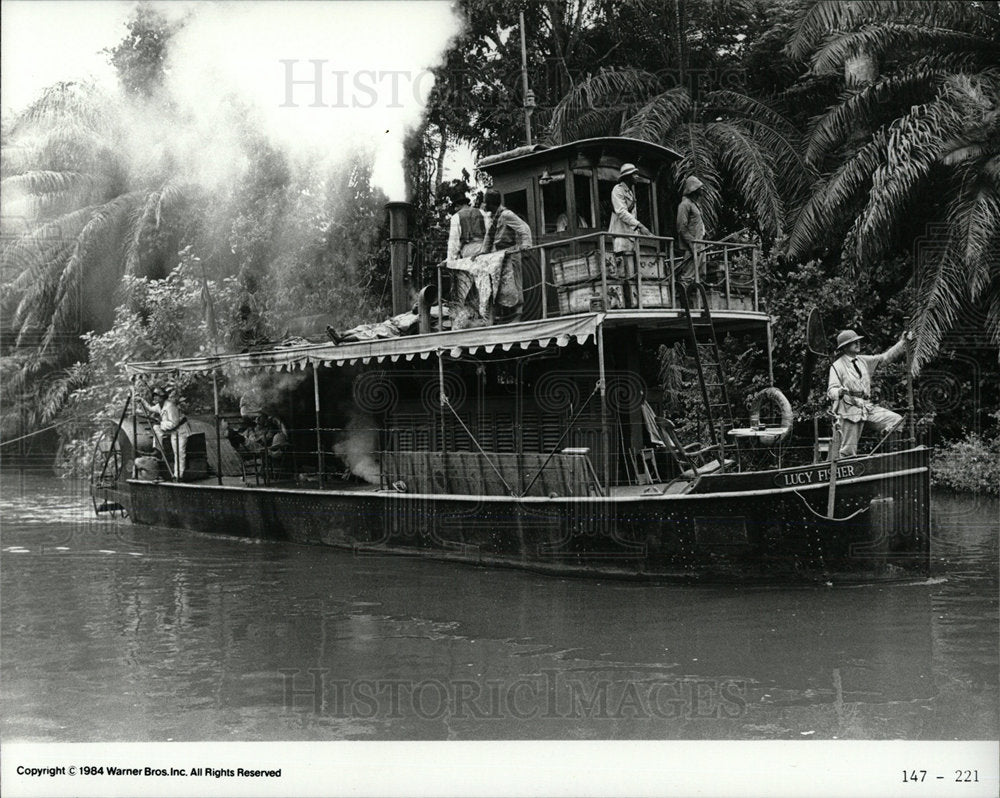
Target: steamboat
point(546, 443)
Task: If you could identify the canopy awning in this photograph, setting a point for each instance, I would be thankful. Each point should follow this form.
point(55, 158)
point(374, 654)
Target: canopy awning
point(454, 343)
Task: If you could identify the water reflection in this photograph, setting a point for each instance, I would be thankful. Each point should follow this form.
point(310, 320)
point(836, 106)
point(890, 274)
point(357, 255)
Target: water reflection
point(114, 632)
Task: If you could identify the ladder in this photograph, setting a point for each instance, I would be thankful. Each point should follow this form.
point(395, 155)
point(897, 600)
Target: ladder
point(711, 370)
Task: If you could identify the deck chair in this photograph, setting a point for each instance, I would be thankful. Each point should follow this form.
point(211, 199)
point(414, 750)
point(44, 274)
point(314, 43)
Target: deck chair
point(694, 459)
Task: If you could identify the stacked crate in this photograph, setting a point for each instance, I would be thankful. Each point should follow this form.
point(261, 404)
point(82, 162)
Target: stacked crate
point(654, 286)
point(578, 283)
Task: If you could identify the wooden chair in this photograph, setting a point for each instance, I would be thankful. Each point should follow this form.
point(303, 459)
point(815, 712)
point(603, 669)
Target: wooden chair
point(693, 459)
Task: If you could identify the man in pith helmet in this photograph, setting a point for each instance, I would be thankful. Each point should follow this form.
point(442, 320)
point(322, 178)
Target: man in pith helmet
point(624, 221)
point(850, 388)
point(690, 228)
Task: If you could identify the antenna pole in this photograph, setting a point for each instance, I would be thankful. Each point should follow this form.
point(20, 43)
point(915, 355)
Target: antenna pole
point(529, 98)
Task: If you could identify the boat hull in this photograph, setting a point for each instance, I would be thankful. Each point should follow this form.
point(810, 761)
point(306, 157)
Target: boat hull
point(762, 525)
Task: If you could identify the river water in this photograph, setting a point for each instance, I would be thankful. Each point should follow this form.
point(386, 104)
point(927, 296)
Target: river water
point(114, 632)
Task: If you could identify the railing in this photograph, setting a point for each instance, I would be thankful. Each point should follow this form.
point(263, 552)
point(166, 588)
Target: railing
point(583, 273)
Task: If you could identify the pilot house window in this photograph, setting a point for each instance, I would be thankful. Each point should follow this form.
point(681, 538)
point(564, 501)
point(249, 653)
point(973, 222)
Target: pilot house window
point(517, 201)
point(554, 211)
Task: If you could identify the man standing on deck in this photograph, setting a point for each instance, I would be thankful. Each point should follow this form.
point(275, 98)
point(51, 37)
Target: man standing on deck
point(468, 226)
point(624, 222)
point(174, 424)
point(690, 228)
point(507, 231)
point(850, 388)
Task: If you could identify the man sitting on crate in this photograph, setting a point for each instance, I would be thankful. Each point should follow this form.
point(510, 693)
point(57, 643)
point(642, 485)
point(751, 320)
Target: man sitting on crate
point(624, 222)
point(507, 231)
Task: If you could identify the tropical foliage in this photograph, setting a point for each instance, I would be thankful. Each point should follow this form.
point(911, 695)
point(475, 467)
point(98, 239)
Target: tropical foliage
point(911, 155)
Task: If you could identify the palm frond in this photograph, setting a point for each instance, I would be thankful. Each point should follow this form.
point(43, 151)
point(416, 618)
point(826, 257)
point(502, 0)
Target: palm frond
point(914, 143)
point(699, 158)
point(654, 120)
point(826, 16)
point(752, 174)
point(822, 216)
point(885, 37)
point(876, 104)
point(615, 89)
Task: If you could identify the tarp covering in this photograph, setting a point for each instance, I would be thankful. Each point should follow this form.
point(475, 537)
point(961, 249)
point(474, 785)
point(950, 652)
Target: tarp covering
point(455, 343)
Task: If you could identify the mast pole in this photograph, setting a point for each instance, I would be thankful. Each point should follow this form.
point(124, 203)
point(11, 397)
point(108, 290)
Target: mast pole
point(218, 430)
point(529, 100)
point(319, 437)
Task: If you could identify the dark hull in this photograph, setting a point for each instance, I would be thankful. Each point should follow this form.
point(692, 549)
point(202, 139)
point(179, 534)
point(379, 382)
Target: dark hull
point(736, 526)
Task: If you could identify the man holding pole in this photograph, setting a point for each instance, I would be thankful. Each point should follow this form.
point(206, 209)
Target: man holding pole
point(849, 388)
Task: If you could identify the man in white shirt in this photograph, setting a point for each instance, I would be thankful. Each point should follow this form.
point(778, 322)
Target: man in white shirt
point(850, 388)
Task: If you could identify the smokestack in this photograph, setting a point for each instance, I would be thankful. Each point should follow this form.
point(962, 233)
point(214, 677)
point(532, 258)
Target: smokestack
point(399, 253)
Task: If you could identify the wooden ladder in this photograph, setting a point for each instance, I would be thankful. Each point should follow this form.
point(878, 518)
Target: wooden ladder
point(711, 370)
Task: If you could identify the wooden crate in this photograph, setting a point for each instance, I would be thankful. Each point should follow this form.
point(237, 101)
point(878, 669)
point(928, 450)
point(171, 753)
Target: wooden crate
point(655, 294)
point(582, 269)
point(577, 298)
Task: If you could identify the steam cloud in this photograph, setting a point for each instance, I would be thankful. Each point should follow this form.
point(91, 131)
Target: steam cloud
point(358, 447)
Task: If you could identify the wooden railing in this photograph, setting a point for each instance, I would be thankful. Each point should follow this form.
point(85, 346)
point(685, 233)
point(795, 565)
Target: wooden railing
point(582, 273)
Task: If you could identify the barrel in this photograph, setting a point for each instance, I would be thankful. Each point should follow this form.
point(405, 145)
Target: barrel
point(147, 468)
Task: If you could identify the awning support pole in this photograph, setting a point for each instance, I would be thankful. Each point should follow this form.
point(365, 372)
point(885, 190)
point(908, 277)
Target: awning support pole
point(441, 398)
point(770, 355)
point(218, 427)
point(135, 432)
point(604, 406)
point(319, 437)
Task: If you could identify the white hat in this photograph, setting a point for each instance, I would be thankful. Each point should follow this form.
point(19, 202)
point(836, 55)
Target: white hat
point(627, 169)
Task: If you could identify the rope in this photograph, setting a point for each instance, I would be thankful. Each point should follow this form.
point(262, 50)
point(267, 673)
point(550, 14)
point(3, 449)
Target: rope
point(830, 517)
point(562, 437)
point(40, 431)
point(475, 442)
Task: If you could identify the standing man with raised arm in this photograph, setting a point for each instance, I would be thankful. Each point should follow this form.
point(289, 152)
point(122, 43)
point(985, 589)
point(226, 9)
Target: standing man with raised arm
point(850, 389)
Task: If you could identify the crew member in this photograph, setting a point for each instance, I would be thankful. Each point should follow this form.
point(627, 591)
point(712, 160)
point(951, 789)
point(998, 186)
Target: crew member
point(507, 231)
point(850, 386)
point(468, 226)
point(624, 222)
point(173, 424)
point(690, 228)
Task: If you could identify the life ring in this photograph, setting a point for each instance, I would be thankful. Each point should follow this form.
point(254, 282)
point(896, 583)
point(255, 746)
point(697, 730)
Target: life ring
point(783, 405)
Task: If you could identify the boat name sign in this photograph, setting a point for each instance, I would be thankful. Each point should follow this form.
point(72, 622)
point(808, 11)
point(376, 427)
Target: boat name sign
point(817, 476)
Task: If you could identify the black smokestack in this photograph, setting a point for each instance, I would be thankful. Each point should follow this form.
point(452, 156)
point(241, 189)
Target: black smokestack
point(399, 253)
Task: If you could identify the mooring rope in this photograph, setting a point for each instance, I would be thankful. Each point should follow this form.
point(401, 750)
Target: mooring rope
point(830, 517)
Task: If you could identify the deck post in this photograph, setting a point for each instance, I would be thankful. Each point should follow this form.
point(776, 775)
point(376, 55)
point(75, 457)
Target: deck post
point(604, 406)
point(725, 266)
point(602, 254)
point(319, 437)
point(218, 430)
point(770, 355)
point(753, 262)
point(135, 431)
point(542, 269)
point(441, 397)
point(673, 274)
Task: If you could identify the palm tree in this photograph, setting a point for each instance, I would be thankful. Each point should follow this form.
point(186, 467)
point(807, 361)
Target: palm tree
point(74, 218)
point(736, 144)
point(911, 155)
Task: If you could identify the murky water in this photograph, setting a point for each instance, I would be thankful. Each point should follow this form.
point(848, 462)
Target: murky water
point(115, 632)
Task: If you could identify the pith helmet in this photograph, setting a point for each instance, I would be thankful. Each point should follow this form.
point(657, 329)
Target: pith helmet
point(159, 390)
point(846, 337)
point(627, 169)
